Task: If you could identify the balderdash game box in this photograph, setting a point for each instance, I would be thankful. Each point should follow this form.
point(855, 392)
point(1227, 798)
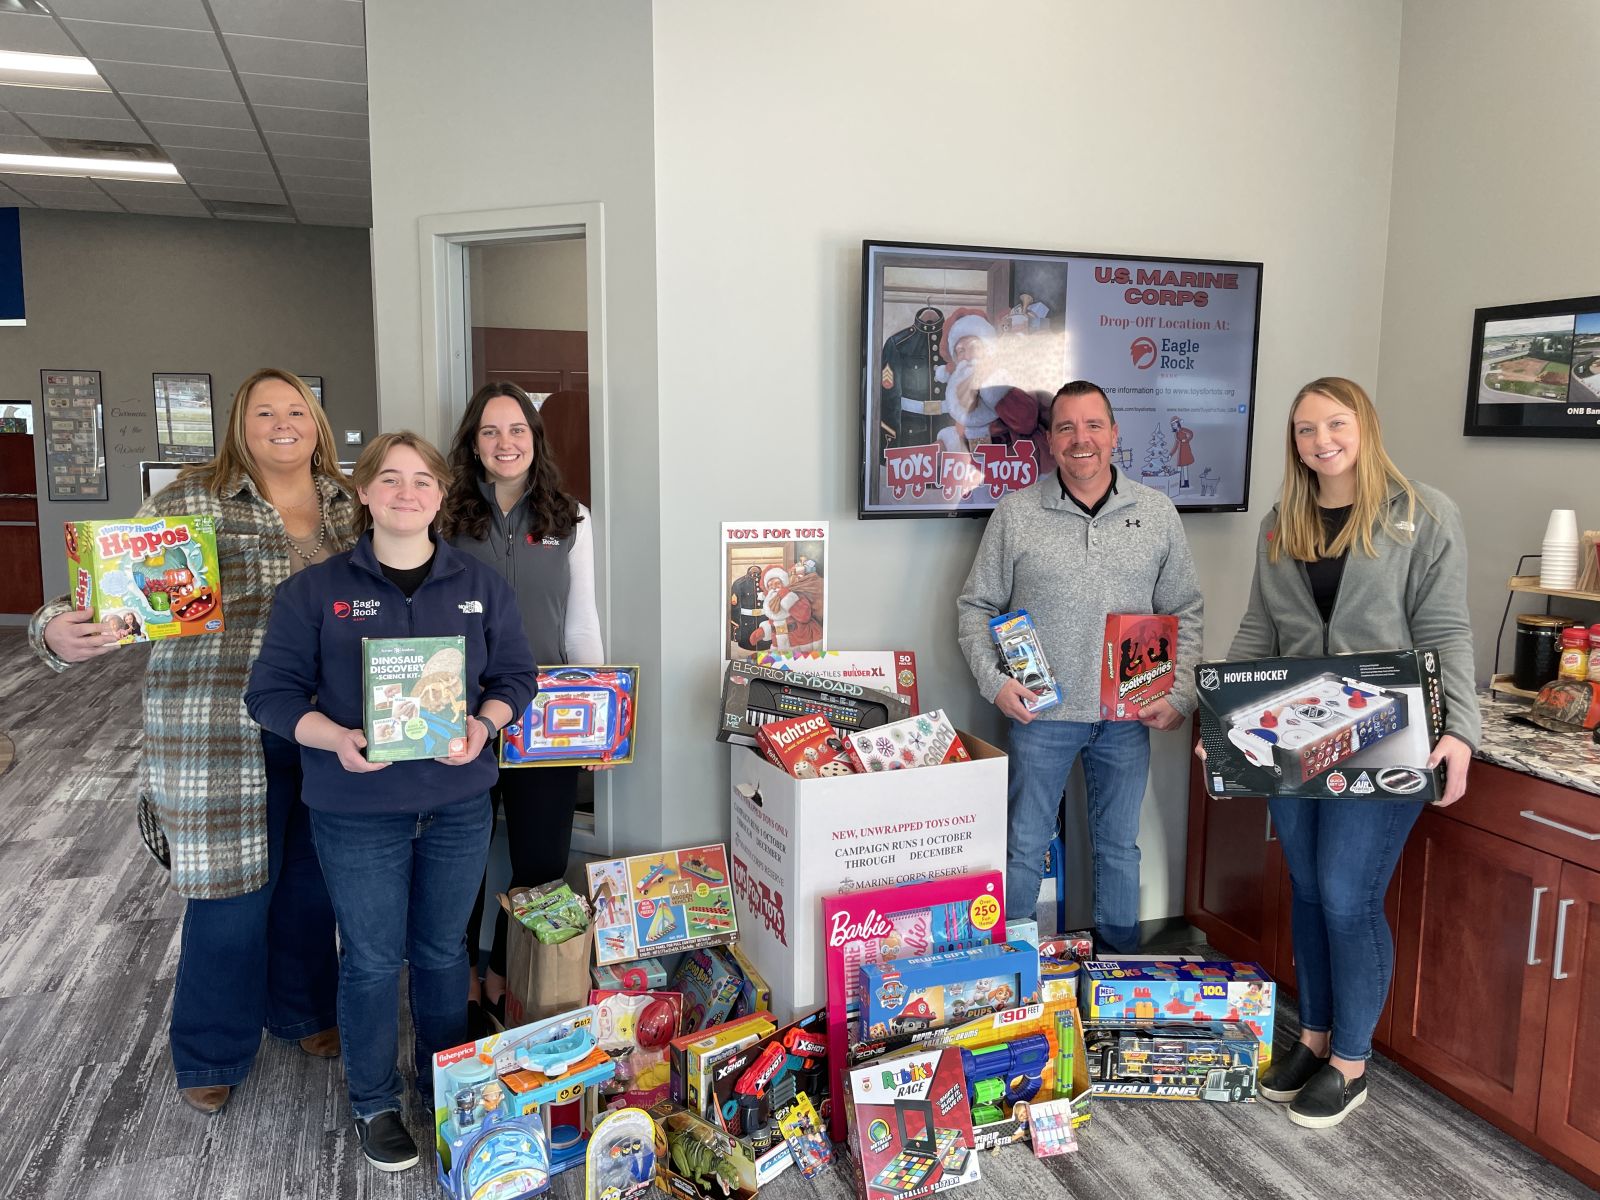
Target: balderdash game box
point(1353, 725)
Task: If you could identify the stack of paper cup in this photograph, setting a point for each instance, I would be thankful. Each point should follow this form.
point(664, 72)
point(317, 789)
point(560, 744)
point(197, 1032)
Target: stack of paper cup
point(1559, 564)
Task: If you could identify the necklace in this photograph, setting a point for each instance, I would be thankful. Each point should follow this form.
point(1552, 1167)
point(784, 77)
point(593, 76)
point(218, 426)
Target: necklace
point(322, 531)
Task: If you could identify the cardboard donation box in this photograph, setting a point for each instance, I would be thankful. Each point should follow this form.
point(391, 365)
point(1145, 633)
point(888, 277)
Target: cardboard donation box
point(797, 840)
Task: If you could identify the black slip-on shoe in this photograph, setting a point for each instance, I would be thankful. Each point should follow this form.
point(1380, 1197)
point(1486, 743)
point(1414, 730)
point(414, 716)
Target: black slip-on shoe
point(386, 1142)
point(1288, 1073)
point(1327, 1099)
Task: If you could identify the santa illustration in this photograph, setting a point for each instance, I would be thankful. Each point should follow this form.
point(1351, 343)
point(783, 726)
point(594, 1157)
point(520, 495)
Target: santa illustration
point(979, 395)
point(790, 623)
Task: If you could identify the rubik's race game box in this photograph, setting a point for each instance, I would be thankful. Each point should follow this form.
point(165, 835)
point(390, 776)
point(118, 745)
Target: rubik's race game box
point(910, 1126)
point(661, 903)
point(581, 715)
point(147, 577)
point(1353, 725)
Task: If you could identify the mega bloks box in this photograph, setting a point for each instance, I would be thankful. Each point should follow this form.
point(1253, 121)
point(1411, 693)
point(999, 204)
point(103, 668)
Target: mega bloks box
point(147, 577)
point(661, 903)
point(926, 991)
point(1017, 1057)
point(1353, 725)
point(1118, 992)
point(1138, 663)
point(1167, 1060)
point(910, 1126)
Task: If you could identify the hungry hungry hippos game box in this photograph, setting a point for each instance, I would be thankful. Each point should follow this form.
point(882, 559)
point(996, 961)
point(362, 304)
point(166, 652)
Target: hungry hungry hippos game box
point(1353, 725)
point(149, 577)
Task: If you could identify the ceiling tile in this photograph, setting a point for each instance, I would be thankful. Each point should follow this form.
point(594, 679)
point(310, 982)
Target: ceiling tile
point(99, 202)
point(30, 185)
point(334, 204)
point(123, 189)
point(60, 102)
point(316, 217)
point(33, 35)
point(206, 137)
point(228, 178)
point(165, 14)
point(311, 120)
point(325, 168)
point(311, 186)
point(141, 79)
point(188, 157)
point(272, 195)
point(302, 60)
point(10, 199)
point(21, 143)
point(99, 128)
point(305, 145)
point(183, 206)
point(338, 21)
point(145, 44)
point(306, 93)
point(169, 110)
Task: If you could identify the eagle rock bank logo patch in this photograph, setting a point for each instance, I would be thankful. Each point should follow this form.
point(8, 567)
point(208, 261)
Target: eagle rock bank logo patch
point(1143, 352)
point(356, 610)
point(341, 609)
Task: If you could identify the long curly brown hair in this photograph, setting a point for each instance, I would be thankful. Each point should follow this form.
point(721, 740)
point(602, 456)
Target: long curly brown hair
point(552, 513)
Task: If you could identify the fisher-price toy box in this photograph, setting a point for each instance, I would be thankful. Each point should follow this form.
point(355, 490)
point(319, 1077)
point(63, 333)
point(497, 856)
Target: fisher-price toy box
point(926, 991)
point(1182, 991)
point(798, 840)
point(149, 577)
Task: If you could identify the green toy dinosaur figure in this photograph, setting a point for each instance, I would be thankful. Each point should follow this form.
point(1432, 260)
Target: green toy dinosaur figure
point(696, 1160)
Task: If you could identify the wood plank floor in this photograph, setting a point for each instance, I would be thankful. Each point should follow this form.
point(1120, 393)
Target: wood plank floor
point(88, 948)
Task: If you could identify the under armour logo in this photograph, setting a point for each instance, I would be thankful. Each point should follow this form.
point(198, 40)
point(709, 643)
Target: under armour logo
point(1130, 522)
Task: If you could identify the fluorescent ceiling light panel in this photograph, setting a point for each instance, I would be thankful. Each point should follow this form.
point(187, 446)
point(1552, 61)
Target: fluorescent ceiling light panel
point(50, 70)
point(100, 168)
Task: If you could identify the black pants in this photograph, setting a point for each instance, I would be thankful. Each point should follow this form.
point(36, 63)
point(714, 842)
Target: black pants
point(538, 803)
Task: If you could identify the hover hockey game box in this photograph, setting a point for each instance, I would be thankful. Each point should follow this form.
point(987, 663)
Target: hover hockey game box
point(1355, 725)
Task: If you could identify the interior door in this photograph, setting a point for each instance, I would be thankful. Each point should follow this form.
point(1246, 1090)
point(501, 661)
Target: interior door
point(21, 583)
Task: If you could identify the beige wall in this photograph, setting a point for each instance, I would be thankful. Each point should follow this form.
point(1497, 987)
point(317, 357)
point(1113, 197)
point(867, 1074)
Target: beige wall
point(1478, 222)
point(540, 285)
point(131, 295)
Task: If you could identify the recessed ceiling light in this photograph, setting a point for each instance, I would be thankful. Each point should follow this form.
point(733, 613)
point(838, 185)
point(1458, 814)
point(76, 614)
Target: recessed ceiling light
point(101, 168)
point(50, 70)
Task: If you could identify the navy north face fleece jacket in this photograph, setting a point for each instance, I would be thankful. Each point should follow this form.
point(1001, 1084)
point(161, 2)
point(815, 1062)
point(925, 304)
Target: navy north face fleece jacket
point(311, 662)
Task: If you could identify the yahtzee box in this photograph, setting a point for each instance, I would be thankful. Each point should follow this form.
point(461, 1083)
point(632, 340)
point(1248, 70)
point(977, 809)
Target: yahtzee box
point(149, 577)
point(415, 693)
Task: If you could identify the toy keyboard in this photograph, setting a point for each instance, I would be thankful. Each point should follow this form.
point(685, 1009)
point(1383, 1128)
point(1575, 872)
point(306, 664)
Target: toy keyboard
point(754, 695)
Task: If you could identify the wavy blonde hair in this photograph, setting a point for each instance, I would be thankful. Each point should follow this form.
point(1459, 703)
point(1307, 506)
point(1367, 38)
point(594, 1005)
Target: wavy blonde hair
point(234, 458)
point(1300, 533)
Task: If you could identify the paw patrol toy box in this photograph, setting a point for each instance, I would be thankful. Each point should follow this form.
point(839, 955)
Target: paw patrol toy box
point(1117, 992)
point(147, 577)
point(1138, 663)
point(927, 991)
point(1355, 725)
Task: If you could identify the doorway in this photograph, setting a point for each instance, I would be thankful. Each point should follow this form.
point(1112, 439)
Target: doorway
point(22, 584)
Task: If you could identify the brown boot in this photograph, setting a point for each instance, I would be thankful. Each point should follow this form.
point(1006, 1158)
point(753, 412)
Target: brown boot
point(208, 1099)
point(322, 1045)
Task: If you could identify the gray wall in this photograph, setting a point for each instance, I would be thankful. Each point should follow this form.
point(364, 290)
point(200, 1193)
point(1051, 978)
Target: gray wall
point(130, 295)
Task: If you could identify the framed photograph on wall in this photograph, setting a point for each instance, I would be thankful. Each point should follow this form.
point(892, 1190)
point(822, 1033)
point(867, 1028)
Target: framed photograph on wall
point(1535, 370)
point(183, 417)
point(314, 382)
point(74, 435)
point(963, 347)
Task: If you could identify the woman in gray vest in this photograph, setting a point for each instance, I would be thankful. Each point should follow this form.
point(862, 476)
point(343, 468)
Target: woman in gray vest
point(506, 507)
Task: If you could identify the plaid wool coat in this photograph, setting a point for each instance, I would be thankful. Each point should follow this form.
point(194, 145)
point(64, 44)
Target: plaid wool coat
point(202, 766)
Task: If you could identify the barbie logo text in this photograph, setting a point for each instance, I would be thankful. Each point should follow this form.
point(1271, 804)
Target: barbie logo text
point(872, 927)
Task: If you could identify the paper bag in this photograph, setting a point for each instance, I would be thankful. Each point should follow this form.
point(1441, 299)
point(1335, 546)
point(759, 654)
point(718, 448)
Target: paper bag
point(543, 980)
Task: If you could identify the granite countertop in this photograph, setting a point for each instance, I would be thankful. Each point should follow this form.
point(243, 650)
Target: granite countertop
point(1570, 759)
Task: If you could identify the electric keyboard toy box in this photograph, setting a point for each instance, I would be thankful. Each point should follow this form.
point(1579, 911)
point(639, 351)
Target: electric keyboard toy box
point(147, 577)
point(1355, 725)
point(753, 695)
point(881, 670)
point(1138, 663)
point(661, 903)
point(910, 1126)
point(798, 840)
point(1115, 992)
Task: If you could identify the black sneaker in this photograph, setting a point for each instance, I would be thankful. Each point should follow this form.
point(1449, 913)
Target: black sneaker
point(1327, 1098)
point(1288, 1073)
point(386, 1142)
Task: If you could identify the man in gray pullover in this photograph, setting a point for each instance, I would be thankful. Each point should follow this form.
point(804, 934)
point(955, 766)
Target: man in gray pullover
point(1082, 542)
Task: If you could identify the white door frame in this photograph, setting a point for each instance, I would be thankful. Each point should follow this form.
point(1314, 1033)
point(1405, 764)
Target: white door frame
point(442, 243)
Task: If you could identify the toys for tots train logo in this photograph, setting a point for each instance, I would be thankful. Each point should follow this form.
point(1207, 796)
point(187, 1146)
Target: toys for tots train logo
point(760, 900)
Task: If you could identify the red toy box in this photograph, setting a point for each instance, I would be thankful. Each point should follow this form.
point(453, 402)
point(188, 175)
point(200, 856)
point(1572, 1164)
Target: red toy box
point(1138, 663)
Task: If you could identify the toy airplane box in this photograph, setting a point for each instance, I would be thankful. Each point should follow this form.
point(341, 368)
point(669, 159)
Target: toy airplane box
point(414, 691)
point(1181, 991)
point(910, 1126)
point(1354, 725)
point(661, 903)
point(1020, 1057)
point(1164, 1060)
point(1022, 658)
point(542, 1076)
point(149, 578)
point(931, 990)
point(1138, 663)
point(581, 715)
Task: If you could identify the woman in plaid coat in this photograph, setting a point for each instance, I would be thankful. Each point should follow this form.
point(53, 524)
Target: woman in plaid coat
point(258, 945)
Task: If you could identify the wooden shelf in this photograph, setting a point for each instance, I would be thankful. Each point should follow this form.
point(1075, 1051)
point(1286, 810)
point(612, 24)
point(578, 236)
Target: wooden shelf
point(1502, 685)
point(1530, 583)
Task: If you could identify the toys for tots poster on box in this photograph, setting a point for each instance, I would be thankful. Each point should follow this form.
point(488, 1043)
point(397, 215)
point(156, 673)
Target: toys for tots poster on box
point(774, 587)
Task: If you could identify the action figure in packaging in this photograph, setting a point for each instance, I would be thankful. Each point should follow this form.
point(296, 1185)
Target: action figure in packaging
point(623, 1155)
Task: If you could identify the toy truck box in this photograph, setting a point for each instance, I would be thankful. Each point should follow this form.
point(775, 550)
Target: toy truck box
point(1360, 726)
point(147, 577)
point(1020, 1056)
point(1138, 663)
point(1164, 1060)
point(910, 1126)
point(752, 1087)
point(703, 1162)
point(1111, 992)
point(931, 990)
point(1022, 658)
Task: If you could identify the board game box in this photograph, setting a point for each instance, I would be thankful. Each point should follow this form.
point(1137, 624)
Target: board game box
point(1120, 992)
point(414, 692)
point(754, 695)
point(661, 903)
point(925, 740)
point(581, 715)
point(806, 747)
point(881, 670)
point(910, 1126)
point(149, 578)
point(1138, 663)
point(1355, 725)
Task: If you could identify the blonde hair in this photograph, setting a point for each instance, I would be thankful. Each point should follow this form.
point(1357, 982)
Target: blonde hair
point(370, 465)
point(234, 458)
point(1300, 532)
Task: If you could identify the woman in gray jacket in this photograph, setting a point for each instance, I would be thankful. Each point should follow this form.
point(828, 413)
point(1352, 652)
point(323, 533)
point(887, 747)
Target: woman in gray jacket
point(1353, 557)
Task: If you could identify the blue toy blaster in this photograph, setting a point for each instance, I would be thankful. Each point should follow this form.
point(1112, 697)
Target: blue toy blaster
point(1000, 1076)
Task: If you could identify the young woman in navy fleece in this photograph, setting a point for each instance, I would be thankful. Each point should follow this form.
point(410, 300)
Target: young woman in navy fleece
point(402, 845)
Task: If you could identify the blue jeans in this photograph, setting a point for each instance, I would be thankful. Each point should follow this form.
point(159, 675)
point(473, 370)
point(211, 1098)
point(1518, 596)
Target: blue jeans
point(402, 885)
point(1341, 855)
point(1116, 764)
point(265, 959)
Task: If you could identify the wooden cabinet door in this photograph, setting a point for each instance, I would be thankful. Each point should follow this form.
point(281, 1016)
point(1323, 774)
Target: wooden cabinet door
point(1231, 889)
point(1569, 1103)
point(21, 584)
point(1472, 970)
